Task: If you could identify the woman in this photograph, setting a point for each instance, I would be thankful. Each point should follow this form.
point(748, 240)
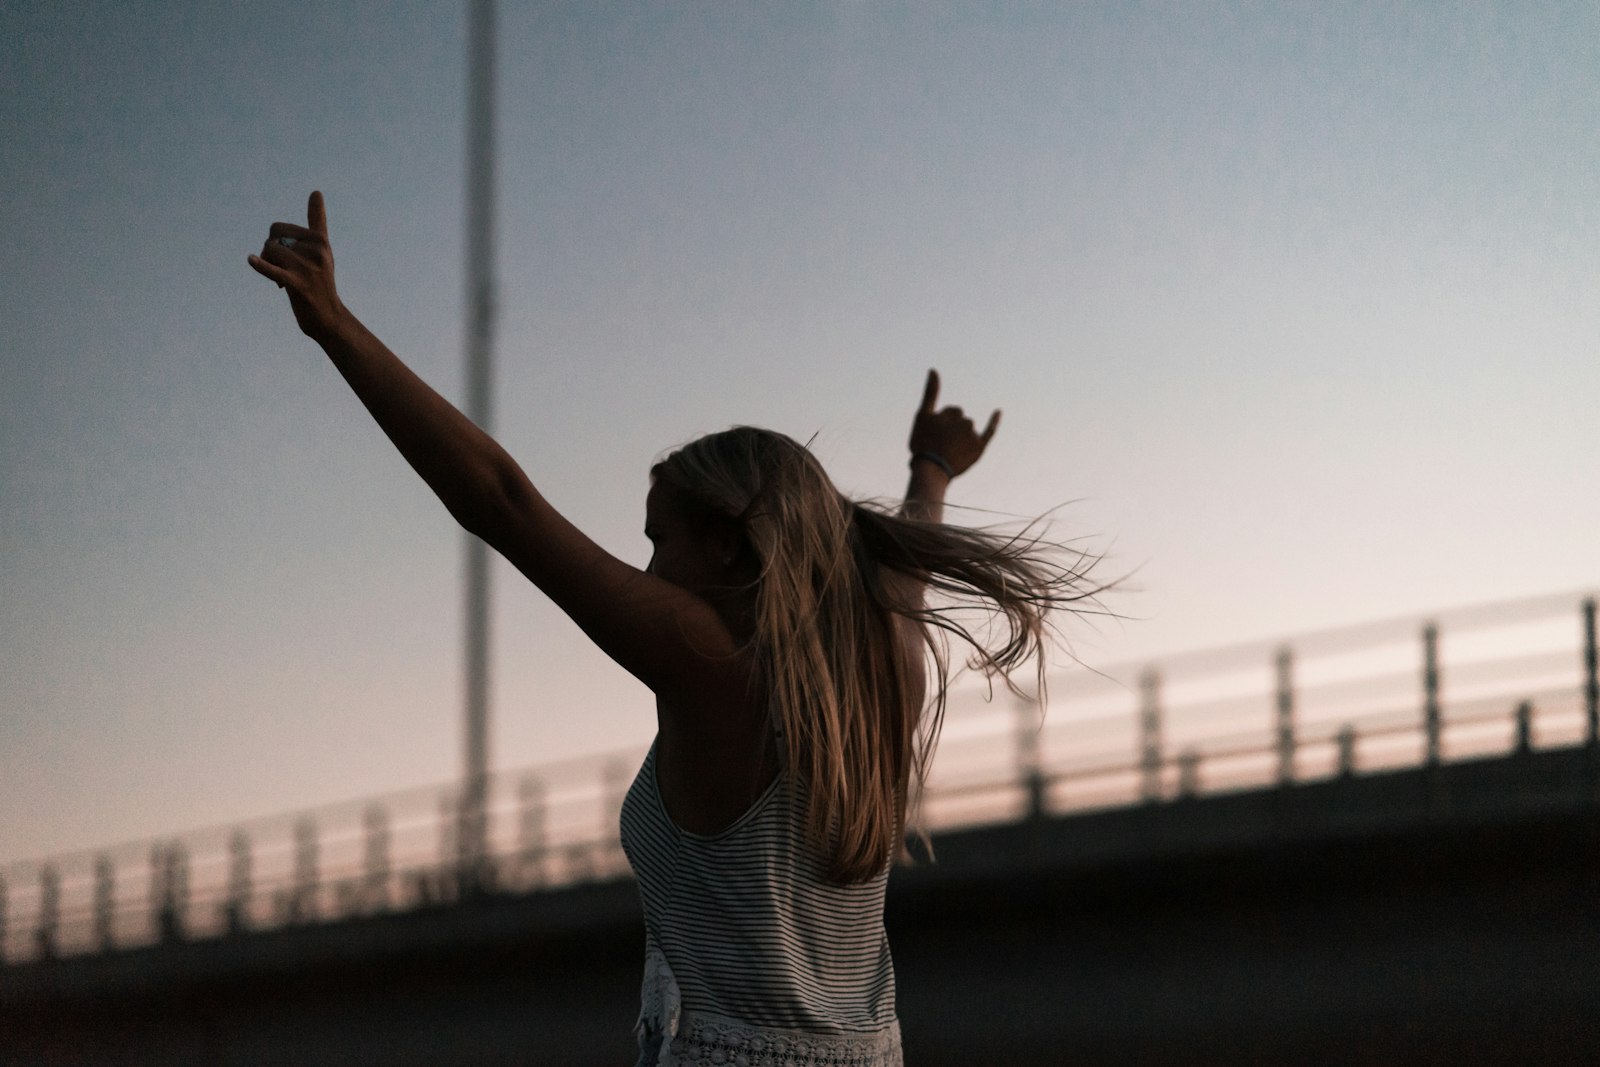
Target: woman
point(784, 633)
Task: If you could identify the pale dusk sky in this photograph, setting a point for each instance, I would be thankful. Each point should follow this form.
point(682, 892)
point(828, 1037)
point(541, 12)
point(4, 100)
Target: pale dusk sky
point(1295, 303)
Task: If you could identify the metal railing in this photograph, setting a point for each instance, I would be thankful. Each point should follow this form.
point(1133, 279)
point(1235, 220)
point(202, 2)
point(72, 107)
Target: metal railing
point(1467, 683)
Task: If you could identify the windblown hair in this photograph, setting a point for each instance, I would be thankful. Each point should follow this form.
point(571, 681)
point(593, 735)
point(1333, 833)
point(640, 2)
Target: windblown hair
point(840, 599)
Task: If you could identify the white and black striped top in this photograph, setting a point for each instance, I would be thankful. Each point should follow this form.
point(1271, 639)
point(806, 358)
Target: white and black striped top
point(748, 921)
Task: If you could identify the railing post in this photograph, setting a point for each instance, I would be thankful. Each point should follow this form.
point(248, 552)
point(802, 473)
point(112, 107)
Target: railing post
point(1591, 684)
point(448, 879)
point(236, 912)
point(530, 827)
point(1030, 764)
point(474, 868)
point(579, 865)
point(1524, 728)
point(1432, 725)
point(303, 894)
point(1347, 751)
point(105, 891)
point(1189, 774)
point(424, 887)
point(170, 877)
point(375, 859)
point(1285, 702)
point(46, 933)
point(158, 883)
point(614, 786)
point(1150, 735)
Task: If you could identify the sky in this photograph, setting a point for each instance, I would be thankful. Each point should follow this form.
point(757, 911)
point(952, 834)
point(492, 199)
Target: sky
point(1291, 309)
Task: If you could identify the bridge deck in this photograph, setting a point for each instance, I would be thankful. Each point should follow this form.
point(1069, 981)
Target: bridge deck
point(1413, 916)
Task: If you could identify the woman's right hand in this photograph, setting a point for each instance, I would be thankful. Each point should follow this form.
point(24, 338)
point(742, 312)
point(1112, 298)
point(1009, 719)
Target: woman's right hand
point(300, 260)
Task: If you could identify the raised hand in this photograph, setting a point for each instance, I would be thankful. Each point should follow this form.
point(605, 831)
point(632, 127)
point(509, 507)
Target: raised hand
point(300, 260)
point(948, 433)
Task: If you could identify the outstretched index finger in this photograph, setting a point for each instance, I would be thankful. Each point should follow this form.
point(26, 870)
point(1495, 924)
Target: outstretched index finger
point(930, 392)
point(994, 424)
point(317, 213)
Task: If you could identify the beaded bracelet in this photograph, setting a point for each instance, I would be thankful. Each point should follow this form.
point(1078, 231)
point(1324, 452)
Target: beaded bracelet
point(936, 459)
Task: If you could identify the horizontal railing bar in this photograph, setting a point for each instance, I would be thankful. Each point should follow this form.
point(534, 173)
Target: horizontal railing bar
point(1235, 738)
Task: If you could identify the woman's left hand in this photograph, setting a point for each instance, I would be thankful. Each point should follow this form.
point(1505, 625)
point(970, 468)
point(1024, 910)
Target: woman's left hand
point(300, 260)
point(948, 433)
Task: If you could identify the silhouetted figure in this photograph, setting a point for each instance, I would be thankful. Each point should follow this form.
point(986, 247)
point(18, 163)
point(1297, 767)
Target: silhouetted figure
point(784, 631)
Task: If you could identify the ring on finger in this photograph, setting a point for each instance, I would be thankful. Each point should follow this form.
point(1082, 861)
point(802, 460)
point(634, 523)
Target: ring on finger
point(287, 242)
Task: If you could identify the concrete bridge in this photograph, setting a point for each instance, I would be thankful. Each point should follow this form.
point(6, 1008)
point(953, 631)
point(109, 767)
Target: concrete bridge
point(1231, 904)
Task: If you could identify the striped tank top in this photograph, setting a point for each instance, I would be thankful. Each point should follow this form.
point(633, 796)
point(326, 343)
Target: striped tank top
point(751, 955)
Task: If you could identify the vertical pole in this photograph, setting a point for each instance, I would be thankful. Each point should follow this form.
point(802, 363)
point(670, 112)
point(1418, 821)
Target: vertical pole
point(46, 933)
point(1430, 691)
point(1591, 685)
point(1524, 728)
point(1150, 735)
point(530, 827)
point(179, 857)
point(238, 906)
point(4, 920)
point(615, 791)
point(159, 873)
point(1347, 751)
point(1030, 764)
point(472, 835)
point(303, 895)
point(375, 859)
point(449, 844)
point(1285, 702)
point(174, 898)
point(105, 890)
point(1189, 774)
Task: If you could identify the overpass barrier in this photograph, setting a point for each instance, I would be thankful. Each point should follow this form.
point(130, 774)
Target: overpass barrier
point(1466, 683)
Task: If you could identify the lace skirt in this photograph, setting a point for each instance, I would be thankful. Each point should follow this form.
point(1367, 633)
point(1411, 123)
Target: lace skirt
point(704, 1040)
point(672, 1037)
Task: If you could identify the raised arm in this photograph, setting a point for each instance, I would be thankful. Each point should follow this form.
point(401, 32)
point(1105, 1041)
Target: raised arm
point(944, 443)
point(669, 638)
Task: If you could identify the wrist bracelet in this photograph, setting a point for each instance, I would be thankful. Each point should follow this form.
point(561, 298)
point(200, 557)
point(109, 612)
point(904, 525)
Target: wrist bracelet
point(937, 460)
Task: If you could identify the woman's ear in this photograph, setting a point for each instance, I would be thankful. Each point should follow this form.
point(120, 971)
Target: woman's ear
point(733, 547)
point(730, 543)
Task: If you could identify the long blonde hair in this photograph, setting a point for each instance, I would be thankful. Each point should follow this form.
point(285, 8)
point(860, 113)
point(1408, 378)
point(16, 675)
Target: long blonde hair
point(834, 576)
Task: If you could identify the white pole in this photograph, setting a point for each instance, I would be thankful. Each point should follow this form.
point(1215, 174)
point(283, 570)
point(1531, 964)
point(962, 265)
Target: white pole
point(472, 839)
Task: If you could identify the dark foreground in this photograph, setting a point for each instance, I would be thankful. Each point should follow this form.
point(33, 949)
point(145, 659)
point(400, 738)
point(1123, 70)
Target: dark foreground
point(1432, 916)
